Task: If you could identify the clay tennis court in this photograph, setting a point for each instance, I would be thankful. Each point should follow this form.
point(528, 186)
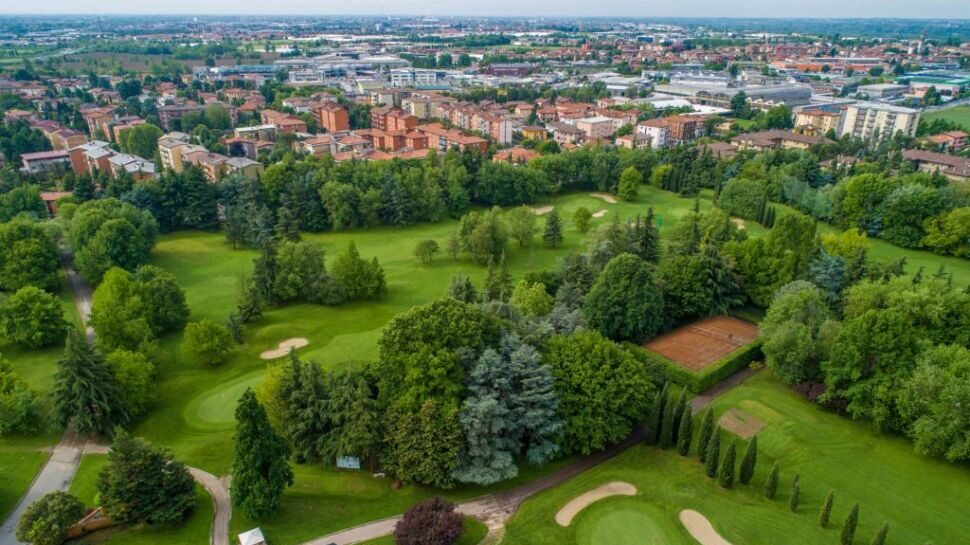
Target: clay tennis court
point(697, 345)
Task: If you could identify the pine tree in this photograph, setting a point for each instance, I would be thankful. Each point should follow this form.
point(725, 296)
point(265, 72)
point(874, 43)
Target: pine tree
point(826, 512)
point(713, 455)
point(748, 461)
point(880, 537)
point(849, 526)
point(668, 427)
point(260, 472)
point(250, 304)
point(264, 272)
point(647, 238)
point(503, 279)
point(725, 476)
point(771, 483)
point(490, 291)
point(795, 493)
point(287, 225)
point(85, 390)
point(165, 492)
point(656, 417)
point(553, 235)
point(462, 289)
point(234, 326)
point(684, 432)
point(304, 400)
point(707, 427)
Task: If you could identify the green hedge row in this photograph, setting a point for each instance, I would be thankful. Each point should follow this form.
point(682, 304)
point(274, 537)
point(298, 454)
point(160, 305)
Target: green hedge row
point(700, 381)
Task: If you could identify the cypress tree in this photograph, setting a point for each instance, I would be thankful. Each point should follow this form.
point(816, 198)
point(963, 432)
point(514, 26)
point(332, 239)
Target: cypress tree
point(668, 427)
point(85, 390)
point(713, 454)
point(771, 483)
point(679, 410)
point(553, 234)
point(826, 512)
point(717, 189)
point(684, 433)
point(707, 427)
point(849, 526)
point(748, 461)
point(648, 239)
point(504, 279)
point(725, 476)
point(261, 470)
point(656, 417)
point(795, 493)
point(489, 289)
point(880, 537)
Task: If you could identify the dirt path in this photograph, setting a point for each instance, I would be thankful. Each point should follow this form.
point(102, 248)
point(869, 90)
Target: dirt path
point(569, 511)
point(701, 529)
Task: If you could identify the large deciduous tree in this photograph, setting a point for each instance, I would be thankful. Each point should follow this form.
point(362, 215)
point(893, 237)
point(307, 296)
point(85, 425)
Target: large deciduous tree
point(32, 318)
point(625, 303)
point(28, 256)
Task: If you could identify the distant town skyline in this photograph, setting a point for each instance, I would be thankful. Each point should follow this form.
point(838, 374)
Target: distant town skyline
point(535, 8)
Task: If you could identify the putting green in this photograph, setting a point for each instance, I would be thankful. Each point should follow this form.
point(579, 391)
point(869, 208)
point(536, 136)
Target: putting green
point(216, 408)
point(626, 521)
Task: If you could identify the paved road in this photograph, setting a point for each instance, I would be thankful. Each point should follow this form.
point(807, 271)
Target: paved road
point(496, 509)
point(219, 490)
point(56, 474)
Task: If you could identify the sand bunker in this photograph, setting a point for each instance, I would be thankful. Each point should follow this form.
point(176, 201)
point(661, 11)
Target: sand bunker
point(542, 210)
point(600, 213)
point(284, 349)
point(616, 488)
point(605, 196)
point(701, 529)
point(740, 423)
point(740, 223)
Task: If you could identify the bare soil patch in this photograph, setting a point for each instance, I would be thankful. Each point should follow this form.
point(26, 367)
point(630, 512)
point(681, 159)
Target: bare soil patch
point(740, 423)
point(284, 348)
point(569, 511)
point(606, 197)
point(697, 345)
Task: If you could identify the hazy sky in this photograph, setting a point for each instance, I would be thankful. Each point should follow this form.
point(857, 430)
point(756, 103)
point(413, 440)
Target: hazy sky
point(641, 8)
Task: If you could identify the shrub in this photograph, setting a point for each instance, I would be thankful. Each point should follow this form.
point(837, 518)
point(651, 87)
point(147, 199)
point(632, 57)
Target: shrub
point(46, 520)
point(432, 522)
point(208, 341)
point(748, 461)
point(826, 512)
point(725, 476)
point(771, 483)
point(849, 526)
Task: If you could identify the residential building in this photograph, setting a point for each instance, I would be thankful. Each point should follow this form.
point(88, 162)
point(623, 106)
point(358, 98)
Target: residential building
point(633, 141)
point(285, 123)
point(138, 168)
point(90, 157)
point(817, 121)
point(244, 167)
point(952, 166)
point(597, 127)
point(332, 117)
point(46, 161)
point(443, 139)
point(777, 139)
point(952, 140)
point(516, 155)
point(871, 120)
point(533, 132)
point(657, 129)
point(564, 133)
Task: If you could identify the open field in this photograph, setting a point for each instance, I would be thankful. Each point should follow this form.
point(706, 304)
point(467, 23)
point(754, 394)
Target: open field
point(957, 114)
point(701, 343)
point(922, 498)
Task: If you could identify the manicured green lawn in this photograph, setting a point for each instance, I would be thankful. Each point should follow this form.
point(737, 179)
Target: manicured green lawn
point(194, 412)
point(626, 521)
point(20, 460)
point(474, 532)
point(957, 114)
point(922, 498)
point(85, 483)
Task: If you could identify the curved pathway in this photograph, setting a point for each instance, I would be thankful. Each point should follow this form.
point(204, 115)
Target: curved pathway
point(62, 464)
point(496, 509)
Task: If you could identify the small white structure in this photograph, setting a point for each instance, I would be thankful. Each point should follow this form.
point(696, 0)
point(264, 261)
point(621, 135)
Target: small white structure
point(252, 537)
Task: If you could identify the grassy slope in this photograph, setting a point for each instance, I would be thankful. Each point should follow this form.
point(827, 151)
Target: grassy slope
point(922, 498)
point(957, 114)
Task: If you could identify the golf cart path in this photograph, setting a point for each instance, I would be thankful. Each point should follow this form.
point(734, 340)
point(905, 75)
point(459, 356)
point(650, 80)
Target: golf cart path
point(495, 510)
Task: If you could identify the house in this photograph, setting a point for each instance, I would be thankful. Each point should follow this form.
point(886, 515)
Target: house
point(533, 132)
point(286, 123)
point(252, 537)
point(564, 133)
point(777, 139)
point(720, 149)
point(952, 140)
point(244, 167)
point(633, 141)
point(241, 147)
point(516, 155)
point(657, 129)
point(50, 199)
point(953, 167)
point(46, 161)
